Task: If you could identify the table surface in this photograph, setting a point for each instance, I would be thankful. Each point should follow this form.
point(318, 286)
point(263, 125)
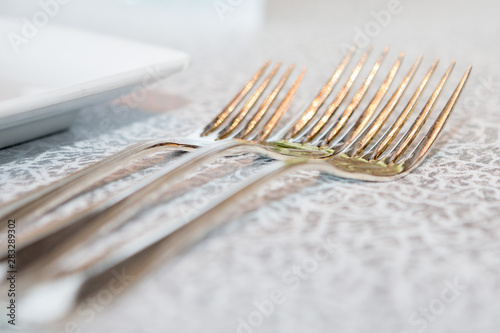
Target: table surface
point(418, 254)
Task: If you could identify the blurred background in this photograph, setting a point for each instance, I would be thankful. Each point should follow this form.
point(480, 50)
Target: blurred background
point(238, 35)
point(222, 34)
point(455, 27)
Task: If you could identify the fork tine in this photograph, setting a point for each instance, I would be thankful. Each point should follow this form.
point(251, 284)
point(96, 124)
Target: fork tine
point(386, 111)
point(248, 105)
point(410, 135)
point(285, 104)
point(365, 117)
point(339, 98)
point(265, 106)
point(232, 105)
point(389, 136)
point(423, 147)
point(340, 123)
point(322, 95)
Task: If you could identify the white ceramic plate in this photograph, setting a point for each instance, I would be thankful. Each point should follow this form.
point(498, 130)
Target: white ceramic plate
point(60, 70)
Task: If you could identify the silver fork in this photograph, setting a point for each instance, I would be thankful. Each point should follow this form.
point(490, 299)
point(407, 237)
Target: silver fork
point(37, 203)
point(41, 201)
point(241, 126)
point(344, 155)
point(286, 148)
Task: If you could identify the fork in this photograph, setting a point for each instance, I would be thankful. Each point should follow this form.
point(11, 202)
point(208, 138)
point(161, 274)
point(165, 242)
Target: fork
point(239, 127)
point(37, 237)
point(347, 155)
point(43, 200)
point(221, 128)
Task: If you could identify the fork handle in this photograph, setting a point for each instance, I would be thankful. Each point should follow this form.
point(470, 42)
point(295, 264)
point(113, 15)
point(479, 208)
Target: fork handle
point(49, 197)
point(141, 254)
point(40, 244)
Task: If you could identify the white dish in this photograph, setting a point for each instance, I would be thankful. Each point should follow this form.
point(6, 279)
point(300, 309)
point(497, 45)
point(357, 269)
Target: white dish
point(60, 70)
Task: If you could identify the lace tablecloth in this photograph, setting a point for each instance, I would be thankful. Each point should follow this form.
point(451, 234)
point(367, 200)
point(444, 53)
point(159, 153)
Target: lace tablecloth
point(320, 254)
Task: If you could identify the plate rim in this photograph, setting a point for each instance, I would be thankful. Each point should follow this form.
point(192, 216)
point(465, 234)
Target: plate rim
point(19, 109)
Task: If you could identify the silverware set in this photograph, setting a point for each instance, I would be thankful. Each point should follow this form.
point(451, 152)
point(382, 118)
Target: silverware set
point(377, 142)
